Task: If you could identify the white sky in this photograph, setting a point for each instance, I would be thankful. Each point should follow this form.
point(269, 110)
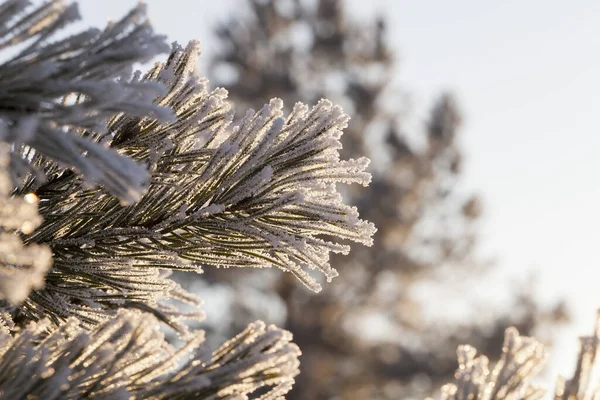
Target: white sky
point(527, 74)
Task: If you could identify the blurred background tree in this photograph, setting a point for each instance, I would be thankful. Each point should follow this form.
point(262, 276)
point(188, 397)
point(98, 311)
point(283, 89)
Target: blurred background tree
point(367, 335)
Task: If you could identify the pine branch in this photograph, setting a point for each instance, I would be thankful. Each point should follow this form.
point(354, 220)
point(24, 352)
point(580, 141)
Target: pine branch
point(257, 193)
point(260, 192)
point(128, 358)
point(55, 92)
point(580, 385)
point(522, 358)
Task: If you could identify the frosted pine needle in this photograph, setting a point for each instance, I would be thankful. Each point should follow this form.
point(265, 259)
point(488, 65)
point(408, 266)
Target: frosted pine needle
point(128, 358)
point(130, 191)
point(257, 193)
point(510, 379)
point(56, 93)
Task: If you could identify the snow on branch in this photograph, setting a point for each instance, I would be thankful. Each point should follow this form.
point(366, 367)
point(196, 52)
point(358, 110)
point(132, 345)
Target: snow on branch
point(57, 92)
point(259, 192)
point(127, 357)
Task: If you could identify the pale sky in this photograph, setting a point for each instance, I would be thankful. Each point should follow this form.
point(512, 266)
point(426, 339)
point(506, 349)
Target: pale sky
point(527, 74)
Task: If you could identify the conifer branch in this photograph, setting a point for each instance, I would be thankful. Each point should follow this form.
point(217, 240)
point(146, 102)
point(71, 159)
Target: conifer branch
point(258, 193)
point(129, 194)
point(522, 358)
point(127, 357)
point(55, 92)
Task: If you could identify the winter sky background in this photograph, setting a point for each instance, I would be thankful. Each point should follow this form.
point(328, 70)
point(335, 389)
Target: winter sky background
point(527, 75)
